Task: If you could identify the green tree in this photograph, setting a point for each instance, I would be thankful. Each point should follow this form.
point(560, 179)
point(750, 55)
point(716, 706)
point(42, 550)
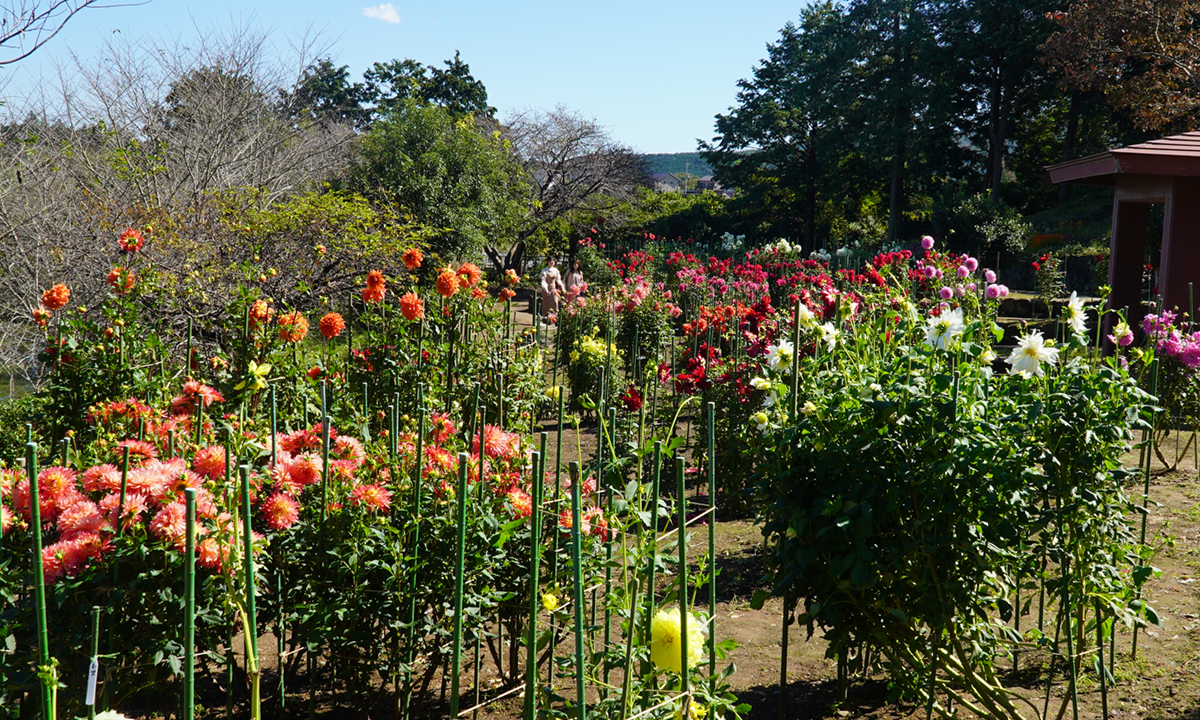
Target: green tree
point(326, 93)
point(389, 85)
point(448, 172)
point(777, 146)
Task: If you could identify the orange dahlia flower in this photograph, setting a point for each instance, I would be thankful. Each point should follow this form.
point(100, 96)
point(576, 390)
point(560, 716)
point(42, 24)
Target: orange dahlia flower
point(41, 315)
point(56, 297)
point(331, 325)
point(121, 279)
point(131, 240)
point(412, 307)
point(469, 274)
point(506, 294)
point(376, 287)
point(511, 276)
point(413, 258)
point(447, 283)
point(292, 327)
point(260, 312)
point(478, 293)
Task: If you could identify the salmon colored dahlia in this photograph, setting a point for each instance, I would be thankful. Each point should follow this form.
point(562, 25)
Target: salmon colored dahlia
point(348, 448)
point(280, 511)
point(511, 277)
point(101, 477)
point(331, 325)
point(83, 516)
point(412, 307)
point(478, 293)
point(56, 297)
point(506, 294)
point(469, 274)
point(170, 523)
point(131, 240)
point(41, 315)
point(292, 327)
point(372, 497)
point(210, 554)
point(210, 462)
point(413, 258)
point(447, 283)
point(522, 503)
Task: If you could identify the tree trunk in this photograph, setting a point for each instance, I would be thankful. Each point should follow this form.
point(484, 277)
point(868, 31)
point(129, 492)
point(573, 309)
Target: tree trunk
point(997, 129)
point(810, 195)
point(1064, 190)
point(899, 129)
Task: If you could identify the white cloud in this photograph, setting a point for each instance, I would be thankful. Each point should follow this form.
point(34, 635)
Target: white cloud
point(384, 12)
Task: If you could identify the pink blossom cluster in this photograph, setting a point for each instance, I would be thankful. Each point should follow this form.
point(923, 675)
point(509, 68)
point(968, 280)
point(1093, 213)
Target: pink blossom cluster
point(1170, 341)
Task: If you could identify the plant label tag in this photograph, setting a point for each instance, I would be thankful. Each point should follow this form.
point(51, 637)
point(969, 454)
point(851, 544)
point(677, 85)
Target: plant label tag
point(93, 670)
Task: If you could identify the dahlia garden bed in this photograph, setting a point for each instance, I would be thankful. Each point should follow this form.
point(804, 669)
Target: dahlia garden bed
point(370, 489)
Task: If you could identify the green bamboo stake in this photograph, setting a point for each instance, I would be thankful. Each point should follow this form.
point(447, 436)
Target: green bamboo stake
point(554, 552)
point(460, 559)
point(683, 581)
point(251, 618)
point(796, 363)
point(658, 447)
point(280, 645)
point(94, 666)
point(1149, 460)
point(274, 428)
point(534, 600)
point(1100, 658)
point(577, 561)
point(48, 684)
point(199, 421)
point(124, 488)
point(416, 536)
point(608, 551)
point(324, 452)
point(712, 548)
point(189, 607)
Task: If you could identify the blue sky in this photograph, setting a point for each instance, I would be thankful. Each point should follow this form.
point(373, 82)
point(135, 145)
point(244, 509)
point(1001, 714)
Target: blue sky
point(653, 73)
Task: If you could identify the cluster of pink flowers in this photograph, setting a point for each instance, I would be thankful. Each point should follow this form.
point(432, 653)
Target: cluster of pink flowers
point(1170, 341)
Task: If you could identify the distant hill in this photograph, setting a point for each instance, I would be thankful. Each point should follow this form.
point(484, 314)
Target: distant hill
point(677, 163)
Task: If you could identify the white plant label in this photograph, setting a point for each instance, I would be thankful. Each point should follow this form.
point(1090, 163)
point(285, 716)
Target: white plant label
point(93, 670)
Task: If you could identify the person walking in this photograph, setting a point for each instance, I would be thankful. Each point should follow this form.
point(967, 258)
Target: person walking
point(575, 283)
point(552, 286)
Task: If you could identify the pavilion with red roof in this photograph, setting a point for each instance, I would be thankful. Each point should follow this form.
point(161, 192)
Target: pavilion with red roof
point(1166, 172)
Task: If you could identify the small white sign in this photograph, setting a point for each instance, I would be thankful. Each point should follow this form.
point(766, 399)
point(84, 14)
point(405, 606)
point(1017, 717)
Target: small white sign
point(93, 670)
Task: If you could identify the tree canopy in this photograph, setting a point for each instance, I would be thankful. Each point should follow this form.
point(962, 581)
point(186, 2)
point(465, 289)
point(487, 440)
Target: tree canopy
point(449, 172)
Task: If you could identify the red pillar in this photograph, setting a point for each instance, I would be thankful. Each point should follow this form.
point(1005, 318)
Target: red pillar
point(1181, 244)
point(1126, 256)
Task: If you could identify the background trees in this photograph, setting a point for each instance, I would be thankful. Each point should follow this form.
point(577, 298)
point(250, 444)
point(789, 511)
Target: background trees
point(884, 119)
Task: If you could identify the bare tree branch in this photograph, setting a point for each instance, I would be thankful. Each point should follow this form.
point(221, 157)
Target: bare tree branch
point(26, 26)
